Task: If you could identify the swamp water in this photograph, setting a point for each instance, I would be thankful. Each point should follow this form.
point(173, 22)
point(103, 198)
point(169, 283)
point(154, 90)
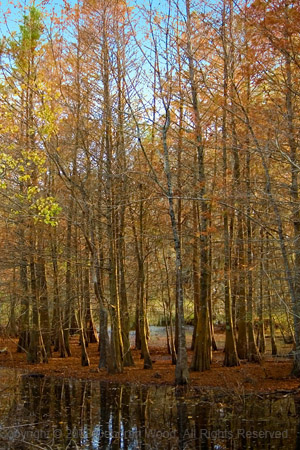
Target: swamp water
point(61, 414)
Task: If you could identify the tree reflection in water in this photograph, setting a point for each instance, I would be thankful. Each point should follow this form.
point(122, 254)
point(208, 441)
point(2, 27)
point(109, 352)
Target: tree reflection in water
point(68, 414)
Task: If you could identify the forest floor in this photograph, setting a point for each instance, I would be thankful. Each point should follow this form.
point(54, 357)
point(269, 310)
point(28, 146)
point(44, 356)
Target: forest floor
point(271, 375)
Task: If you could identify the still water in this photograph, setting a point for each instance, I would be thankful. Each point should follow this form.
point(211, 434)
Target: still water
point(49, 413)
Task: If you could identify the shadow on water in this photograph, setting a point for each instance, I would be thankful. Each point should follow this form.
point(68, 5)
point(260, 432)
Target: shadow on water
point(68, 414)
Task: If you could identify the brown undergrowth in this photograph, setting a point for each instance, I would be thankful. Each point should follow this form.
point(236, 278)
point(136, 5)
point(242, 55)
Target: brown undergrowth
point(273, 374)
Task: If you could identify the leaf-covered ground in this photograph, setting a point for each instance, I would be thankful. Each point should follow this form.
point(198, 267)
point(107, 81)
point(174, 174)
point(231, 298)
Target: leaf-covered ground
point(273, 374)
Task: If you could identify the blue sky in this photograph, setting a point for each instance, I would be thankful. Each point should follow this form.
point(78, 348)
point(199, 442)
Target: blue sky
point(11, 12)
point(10, 21)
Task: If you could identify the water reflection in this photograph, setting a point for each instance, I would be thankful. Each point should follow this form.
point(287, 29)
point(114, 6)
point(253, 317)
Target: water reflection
point(69, 414)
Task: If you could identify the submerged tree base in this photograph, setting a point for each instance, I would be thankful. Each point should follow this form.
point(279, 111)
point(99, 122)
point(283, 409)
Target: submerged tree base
point(182, 376)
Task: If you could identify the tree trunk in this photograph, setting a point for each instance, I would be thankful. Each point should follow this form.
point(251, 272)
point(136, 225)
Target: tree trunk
point(261, 340)
point(181, 370)
point(242, 343)
point(115, 363)
point(202, 352)
point(24, 339)
point(41, 284)
point(122, 197)
point(141, 298)
point(97, 282)
point(196, 269)
point(68, 291)
point(231, 357)
point(253, 353)
point(34, 354)
point(169, 317)
point(269, 300)
point(85, 361)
